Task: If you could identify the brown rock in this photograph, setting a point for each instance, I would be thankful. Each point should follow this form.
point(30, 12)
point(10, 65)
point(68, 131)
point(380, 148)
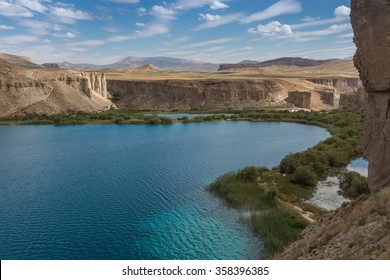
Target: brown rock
point(300, 99)
point(371, 25)
point(50, 91)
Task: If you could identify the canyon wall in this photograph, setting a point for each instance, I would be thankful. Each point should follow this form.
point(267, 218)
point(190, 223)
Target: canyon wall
point(50, 91)
point(301, 99)
point(190, 94)
point(337, 82)
point(355, 101)
point(197, 94)
point(371, 25)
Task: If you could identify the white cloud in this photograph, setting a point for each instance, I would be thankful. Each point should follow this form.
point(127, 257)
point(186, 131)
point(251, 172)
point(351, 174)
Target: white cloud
point(38, 27)
point(182, 39)
point(125, 1)
point(69, 14)
point(275, 29)
point(33, 5)
point(191, 4)
point(272, 29)
point(208, 17)
point(213, 21)
point(111, 29)
point(348, 35)
point(326, 21)
point(89, 43)
point(141, 24)
point(341, 15)
point(9, 9)
point(19, 39)
point(211, 42)
point(342, 11)
point(142, 11)
point(6, 27)
point(218, 5)
point(67, 35)
point(119, 38)
point(279, 8)
point(152, 29)
point(162, 13)
point(310, 19)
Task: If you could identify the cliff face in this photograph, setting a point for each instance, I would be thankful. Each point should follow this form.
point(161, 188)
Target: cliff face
point(184, 94)
point(356, 101)
point(337, 82)
point(49, 91)
point(361, 229)
point(371, 25)
point(189, 94)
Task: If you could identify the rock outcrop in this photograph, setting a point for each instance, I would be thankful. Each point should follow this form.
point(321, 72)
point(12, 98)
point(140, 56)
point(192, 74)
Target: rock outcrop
point(371, 25)
point(355, 101)
point(337, 82)
point(300, 99)
point(50, 91)
point(194, 94)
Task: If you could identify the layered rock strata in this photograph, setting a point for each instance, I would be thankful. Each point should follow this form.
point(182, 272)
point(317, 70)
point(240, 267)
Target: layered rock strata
point(49, 91)
point(371, 25)
point(300, 99)
point(192, 94)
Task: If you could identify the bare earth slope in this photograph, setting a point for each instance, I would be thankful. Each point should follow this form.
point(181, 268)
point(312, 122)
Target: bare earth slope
point(359, 230)
point(48, 91)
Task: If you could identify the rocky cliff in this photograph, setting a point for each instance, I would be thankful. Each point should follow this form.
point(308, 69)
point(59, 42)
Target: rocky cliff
point(50, 91)
point(338, 82)
point(355, 101)
point(190, 94)
point(361, 229)
point(371, 25)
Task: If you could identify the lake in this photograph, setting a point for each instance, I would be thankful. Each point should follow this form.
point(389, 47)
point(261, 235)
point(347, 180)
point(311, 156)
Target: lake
point(132, 191)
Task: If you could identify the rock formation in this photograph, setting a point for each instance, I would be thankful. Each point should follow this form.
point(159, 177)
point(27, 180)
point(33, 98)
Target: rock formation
point(300, 99)
point(191, 94)
point(50, 91)
point(371, 25)
point(337, 82)
point(355, 101)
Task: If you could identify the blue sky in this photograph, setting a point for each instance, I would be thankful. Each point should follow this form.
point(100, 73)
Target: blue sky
point(104, 31)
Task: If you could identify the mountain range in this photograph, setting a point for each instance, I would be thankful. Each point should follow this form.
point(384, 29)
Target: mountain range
point(158, 61)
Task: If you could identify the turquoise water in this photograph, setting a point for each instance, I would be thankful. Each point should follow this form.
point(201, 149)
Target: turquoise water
point(132, 191)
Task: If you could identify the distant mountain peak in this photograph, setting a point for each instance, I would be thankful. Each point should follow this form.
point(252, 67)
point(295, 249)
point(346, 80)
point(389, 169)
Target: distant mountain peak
point(287, 61)
point(161, 62)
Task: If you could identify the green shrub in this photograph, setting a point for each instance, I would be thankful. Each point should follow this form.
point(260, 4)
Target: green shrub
point(248, 174)
point(353, 184)
point(305, 175)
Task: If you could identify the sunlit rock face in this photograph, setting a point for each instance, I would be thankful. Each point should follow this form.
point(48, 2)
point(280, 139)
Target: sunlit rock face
point(371, 25)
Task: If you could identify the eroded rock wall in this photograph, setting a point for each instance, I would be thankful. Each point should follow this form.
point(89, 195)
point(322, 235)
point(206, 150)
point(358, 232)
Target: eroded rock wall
point(190, 94)
point(356, 101)
point(337, 82)
point(300, 99)
point(50, 91)
point(371, 25)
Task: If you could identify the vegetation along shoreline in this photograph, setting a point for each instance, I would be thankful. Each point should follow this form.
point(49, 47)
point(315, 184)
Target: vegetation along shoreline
point(275, 198)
